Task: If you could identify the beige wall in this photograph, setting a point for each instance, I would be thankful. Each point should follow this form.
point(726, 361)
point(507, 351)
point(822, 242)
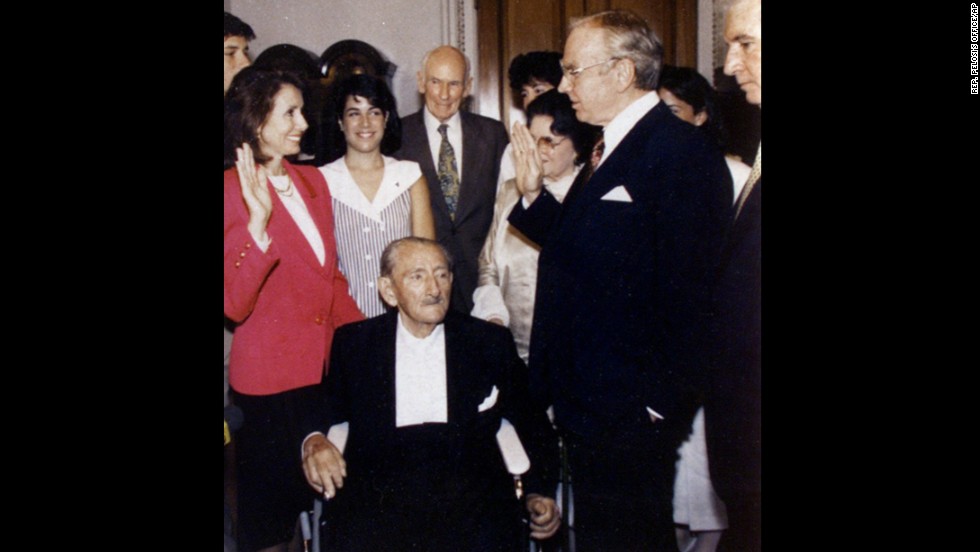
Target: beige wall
point(403, 30)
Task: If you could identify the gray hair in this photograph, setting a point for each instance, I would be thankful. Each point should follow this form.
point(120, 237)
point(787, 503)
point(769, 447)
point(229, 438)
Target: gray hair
point(629, 37)
point(388, 257)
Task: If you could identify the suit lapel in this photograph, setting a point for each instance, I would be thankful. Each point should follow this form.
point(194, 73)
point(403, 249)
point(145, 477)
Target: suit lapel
point(421, 142)
point(573, 192)
point(472, 155)
point(318, 204)
point(614, 171)
point(423, 151)
point(458, 381)
point(385, 359)
point(281, 223)
point(453, 376)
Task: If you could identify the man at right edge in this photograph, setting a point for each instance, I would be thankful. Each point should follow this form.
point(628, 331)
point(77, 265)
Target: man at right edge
point(733, 402)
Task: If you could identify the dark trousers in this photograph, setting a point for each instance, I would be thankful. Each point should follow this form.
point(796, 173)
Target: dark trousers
point(271, 488)
point(418, 497)
point(623, 493)
point(744, 533)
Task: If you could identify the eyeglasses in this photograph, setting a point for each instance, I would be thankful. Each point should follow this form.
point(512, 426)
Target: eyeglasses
point(548, 144)
point(572, 73)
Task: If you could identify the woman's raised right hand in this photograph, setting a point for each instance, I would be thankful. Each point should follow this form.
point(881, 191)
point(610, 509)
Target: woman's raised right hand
point(527, 162)
point(255, 191)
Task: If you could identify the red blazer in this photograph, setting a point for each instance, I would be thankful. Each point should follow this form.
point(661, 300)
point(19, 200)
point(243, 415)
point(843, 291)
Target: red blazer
point(285, 303)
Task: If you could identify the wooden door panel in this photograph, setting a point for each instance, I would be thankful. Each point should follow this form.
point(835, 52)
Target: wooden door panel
point(511, 27)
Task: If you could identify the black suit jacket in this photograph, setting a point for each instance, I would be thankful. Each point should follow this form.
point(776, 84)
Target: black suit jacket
point(449, 478)
point(484, 141)
point(622, 291)
point(733, 406)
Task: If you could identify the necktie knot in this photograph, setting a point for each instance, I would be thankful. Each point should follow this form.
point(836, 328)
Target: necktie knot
point(442, 129)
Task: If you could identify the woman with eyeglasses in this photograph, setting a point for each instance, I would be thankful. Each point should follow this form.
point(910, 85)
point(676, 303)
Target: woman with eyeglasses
point(508, 264)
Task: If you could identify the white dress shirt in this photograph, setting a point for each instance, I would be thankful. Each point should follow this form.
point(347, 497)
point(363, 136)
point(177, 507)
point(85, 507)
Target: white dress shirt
point(623, 123)
point(420, 377)
point(454, 132)
point(740, 174)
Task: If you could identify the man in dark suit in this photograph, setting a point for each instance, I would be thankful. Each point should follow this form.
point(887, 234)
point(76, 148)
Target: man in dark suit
point(460, 167)
point(623, 288)
point(424, 393)
point(733, 405)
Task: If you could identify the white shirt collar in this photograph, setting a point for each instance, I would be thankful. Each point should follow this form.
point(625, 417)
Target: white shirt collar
point(454, 133)
point(623, 123)
point(403, 331)
point(432, 124)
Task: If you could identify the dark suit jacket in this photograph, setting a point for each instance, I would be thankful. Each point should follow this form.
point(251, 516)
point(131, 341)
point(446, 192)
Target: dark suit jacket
point(449, 478)
point(622, 289)
point(484, 141)
point(733, 406)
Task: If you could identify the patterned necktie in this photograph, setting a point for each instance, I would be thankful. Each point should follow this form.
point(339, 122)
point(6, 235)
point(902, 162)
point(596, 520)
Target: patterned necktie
point(447, 172)
point(750, 183)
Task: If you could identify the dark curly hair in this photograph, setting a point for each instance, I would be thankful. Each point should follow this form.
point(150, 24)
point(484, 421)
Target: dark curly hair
point(541, 66)
point(377, 93)
point(236, 27)
point(557, 106)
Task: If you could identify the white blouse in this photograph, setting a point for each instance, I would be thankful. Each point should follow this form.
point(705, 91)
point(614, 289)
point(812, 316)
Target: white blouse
point(301, 215)
point(363, 228)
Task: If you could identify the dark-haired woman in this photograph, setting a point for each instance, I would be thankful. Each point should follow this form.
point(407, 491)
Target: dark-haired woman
point(529, 75)
point(289, 57)
point(376, 199)
point(557, 146)
point(283, 289)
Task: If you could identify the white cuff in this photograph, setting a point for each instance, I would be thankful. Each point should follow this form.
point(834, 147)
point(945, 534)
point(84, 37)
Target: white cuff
point(488, 302)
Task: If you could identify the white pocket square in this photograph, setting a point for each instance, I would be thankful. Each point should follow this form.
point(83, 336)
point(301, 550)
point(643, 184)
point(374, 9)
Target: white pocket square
point(618, 193)
point(489, 401)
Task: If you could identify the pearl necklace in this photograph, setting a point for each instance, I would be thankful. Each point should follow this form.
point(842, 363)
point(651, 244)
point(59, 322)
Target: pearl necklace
point(288, 191)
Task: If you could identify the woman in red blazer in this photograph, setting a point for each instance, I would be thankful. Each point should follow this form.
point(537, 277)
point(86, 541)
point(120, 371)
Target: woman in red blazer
point(283, 289)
